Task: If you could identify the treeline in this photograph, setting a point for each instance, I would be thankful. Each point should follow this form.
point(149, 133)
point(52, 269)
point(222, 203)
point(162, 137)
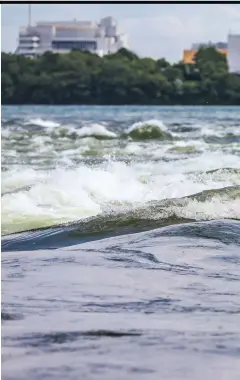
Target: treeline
point(117, 79)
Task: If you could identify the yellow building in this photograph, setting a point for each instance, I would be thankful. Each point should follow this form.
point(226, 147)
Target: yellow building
point(188, 55)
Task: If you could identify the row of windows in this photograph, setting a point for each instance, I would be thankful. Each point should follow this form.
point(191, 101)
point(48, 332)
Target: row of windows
point(80, 45)
point(22, 47)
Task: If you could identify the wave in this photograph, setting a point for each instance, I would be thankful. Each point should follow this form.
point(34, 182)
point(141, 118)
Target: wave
point(225, 170)
point(225, 231)
point(42, 123)
point(26, 122)
point(96, 130)
point(215, 204)
point(148, 130)
point(142, 130)
point(40, 198)
point(10, 122)
point(152, 129)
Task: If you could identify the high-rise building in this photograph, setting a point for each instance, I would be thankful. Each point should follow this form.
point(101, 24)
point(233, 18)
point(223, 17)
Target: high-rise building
point(234, 53)
point(63, 36)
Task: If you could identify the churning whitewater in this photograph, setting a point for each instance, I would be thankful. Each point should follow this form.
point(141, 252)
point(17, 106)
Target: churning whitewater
point(79, 163)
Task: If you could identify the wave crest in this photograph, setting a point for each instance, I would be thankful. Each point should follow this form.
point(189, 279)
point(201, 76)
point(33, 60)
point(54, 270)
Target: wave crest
point(216, 204)
point(96, 130)
point(42, 123)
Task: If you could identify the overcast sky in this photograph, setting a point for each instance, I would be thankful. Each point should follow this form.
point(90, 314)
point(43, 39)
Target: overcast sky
point(156, 30)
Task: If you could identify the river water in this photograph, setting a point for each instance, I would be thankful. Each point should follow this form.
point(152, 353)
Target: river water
point(120, 242)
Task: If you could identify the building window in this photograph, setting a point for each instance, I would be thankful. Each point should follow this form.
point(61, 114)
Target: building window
point(27, 47)
point(79, 45)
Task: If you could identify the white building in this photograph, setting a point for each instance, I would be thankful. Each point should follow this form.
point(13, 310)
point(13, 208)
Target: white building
point(234, 53)
point(63, 36)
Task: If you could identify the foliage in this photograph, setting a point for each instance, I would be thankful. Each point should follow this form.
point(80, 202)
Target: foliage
point(121, 78)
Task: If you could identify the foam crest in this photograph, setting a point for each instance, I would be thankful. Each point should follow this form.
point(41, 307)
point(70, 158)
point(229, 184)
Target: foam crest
point(97, 131)
point(216, 208)
point(42, 123)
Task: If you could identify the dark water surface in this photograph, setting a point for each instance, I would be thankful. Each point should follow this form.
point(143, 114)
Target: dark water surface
point(120, 243)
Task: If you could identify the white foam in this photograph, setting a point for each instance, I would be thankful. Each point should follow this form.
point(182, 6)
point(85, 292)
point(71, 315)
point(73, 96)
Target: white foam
point(15, 179)
point(43, 123)
point(133, 148)
point(5, 133)
point(152, 122)
point(96, 130)
point(217, 208)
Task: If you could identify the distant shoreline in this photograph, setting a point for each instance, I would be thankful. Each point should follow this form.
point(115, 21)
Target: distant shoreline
point(118, 105)
point(122, 79)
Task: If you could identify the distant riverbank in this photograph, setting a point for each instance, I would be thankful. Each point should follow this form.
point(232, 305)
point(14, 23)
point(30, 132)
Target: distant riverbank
point(123, 78)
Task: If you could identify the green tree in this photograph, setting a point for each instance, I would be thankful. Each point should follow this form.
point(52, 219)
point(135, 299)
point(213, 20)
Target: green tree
point(210, 62)
point(121, 78)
